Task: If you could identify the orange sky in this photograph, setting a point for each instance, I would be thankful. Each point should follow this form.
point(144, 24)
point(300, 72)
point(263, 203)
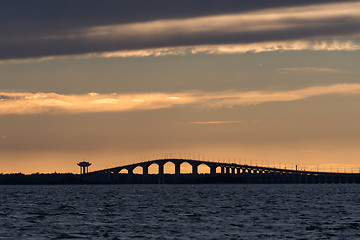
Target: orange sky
point(272, 86)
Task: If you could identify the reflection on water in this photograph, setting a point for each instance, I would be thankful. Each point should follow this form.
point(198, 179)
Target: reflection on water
point(180, 211)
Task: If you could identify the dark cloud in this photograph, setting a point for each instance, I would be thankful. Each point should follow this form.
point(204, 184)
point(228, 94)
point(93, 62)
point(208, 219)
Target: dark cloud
point(44, 14)
point(27, 26)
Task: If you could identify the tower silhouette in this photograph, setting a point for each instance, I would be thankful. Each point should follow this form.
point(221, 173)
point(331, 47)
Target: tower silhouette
point(84, 167)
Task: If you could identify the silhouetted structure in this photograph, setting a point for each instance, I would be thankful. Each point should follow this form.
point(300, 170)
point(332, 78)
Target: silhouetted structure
point(219, 173)
point(41, 178)
point(84, 167)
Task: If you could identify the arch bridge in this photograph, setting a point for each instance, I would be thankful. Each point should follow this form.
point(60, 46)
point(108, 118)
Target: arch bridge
point(229, 172)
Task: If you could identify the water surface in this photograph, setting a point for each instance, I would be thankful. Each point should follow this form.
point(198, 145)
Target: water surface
point(180, 211)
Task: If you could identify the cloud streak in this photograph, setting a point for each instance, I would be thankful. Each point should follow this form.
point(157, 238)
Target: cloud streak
point(36, 103)
point(340, 44)
point(312, 70)
point(216, 122)
point(257, 30)
point(50, 103)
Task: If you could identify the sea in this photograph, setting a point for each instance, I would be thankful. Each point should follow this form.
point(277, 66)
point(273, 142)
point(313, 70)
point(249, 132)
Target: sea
point(221, 211)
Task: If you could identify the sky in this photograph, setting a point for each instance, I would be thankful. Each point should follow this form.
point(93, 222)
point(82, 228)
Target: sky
point(272, 83)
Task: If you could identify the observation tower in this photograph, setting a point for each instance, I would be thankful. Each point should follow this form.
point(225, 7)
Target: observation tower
point(84, 167)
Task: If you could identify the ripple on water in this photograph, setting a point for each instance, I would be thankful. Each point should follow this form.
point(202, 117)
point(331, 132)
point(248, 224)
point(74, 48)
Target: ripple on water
point(180, 211)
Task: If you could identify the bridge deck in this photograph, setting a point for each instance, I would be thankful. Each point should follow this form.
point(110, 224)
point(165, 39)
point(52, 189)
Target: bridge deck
point(195, 163)
point(230, 173)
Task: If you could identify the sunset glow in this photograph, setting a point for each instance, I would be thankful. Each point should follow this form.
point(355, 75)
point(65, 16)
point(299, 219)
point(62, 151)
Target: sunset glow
point(266, 83)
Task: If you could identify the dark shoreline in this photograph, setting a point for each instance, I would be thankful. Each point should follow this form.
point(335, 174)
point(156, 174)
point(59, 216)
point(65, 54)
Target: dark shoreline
point(40, 178)
point(70, 178)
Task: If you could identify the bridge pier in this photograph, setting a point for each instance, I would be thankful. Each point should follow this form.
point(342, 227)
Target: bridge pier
point(161, 168)
point(177, 169)
point(145, 175)
point(161, 173)
point(177, 178)
point(109, 177)
point(145, 170)
point(222, 170)
point(213, 170)
point(194, 169)
point(130, 177)
point(115, 177)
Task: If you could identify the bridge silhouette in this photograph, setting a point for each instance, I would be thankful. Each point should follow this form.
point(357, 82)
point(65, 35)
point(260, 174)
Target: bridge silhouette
point(229, 173)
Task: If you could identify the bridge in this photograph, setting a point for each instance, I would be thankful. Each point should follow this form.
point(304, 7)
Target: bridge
point(220, 172)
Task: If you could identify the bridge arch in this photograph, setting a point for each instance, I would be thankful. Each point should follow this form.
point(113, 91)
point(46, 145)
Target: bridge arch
point(169, 167)
point(153, 168)
point(217, 168)
point(138, 170)
point(204, 168)
point(185, 168)
point(124, 171)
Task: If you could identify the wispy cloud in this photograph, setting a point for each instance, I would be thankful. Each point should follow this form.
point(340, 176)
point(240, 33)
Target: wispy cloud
point(313, 17)
point(319, 26)
point(340, 44)
point(231, 98)
point(34, 103)
point(38, 103)
point(313, 69)
point(216, 122)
